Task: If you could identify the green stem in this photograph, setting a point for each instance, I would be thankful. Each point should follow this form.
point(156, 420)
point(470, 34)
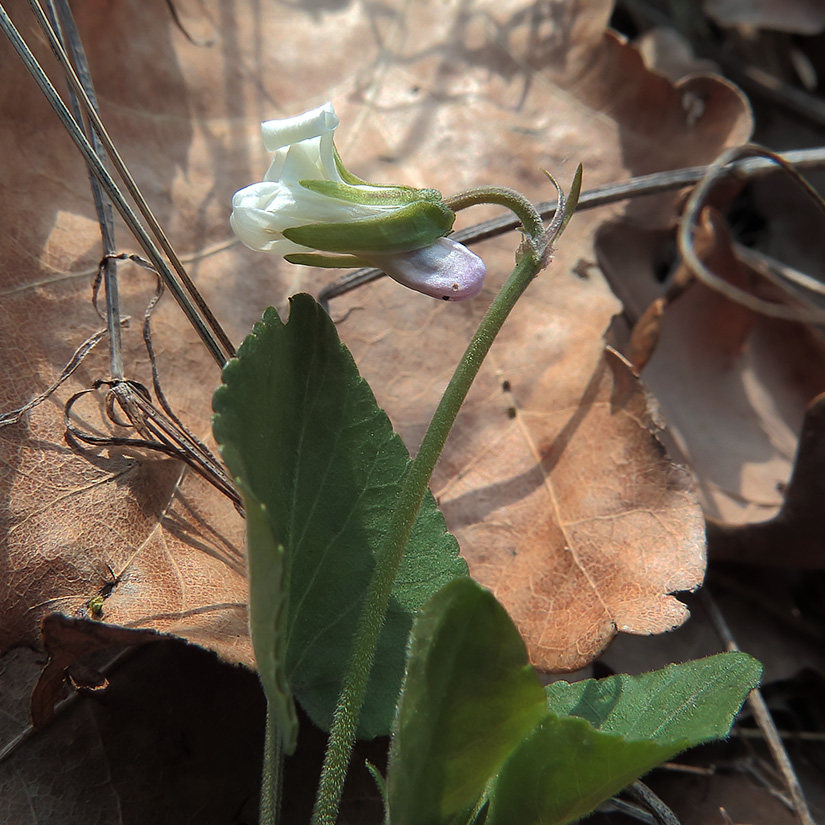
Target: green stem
point(347, 711)
point(273, 773)
point(503, 196)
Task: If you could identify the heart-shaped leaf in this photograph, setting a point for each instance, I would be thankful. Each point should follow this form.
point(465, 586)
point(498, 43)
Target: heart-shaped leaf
point(302, 430)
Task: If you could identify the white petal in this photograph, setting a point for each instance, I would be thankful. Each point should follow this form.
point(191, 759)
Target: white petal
point(303, 162)
point(317, 122)
point(261, 211)
point(254, 230)
point(445, 269)
point(276, 165)
point(326, 151)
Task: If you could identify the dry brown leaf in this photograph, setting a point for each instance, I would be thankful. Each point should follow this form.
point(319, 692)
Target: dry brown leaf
point(428, 95)
point(176, 740)
point(666, 51)
point(67, 641)
point(795, 536)
point(621, 118)
point(599, 524)
point(733, 386)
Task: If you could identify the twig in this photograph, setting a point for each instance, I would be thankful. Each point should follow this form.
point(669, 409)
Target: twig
point(775, 90)
point(13, 416)
point(791, 735)
point(66, 31)
point(751, 768)
point(661, 813)
point(690, 219)
point(143, 207)
point(157, 432)
point(762, 716)
point(616, 805)
point(777, 272)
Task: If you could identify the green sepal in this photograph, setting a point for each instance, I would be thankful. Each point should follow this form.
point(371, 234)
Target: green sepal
point(572, 198)
point(326, 261)
point(402, 230)
point(345, 173)
point(367, 194)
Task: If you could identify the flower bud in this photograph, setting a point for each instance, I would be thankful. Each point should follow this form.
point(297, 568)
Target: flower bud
point(310, 209)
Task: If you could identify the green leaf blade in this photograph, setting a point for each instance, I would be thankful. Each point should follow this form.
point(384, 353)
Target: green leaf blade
point(302, 430)
point(695, 701)
point(267, 603)
point(601, 735)
point(564, 770)
point(469, 697)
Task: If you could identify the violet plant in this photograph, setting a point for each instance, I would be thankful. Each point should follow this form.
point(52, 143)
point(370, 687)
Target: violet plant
point(360, 606)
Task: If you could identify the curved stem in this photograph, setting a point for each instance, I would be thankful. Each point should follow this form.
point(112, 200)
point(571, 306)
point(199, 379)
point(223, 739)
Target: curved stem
point(503, 196)
point(273, 773)
point(345, 719)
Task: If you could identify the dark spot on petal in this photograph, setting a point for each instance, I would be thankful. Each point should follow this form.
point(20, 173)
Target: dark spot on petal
point(445, 297)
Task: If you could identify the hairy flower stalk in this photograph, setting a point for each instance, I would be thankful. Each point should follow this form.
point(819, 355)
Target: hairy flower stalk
point(311, 210)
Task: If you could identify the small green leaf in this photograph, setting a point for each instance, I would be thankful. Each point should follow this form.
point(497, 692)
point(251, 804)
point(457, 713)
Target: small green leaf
point(401, 230)
point(469, 698)
point(302, 430)
point(572, 200)
point(564, 769)
point(603, 734)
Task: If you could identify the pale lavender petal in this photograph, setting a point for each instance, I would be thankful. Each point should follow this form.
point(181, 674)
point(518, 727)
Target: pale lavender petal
point(445, 269)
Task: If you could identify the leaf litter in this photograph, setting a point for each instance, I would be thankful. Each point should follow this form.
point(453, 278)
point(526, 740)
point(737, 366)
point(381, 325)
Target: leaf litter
point(491, 96)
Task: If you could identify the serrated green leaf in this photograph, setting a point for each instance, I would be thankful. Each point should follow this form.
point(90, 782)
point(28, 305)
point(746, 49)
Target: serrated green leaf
point(603, 734)
point(469, 698)
point(301, 428)
point(695, 701)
